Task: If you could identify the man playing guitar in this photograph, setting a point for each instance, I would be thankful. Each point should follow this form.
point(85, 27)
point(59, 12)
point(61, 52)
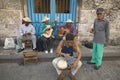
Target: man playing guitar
point(67, 28)
point(46, 32)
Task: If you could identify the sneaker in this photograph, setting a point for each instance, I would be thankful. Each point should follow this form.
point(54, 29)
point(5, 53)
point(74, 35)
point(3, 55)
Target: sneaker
point(51, 50)
point(46, 52)
point(20, 50)
point(61, 76)
point(71, 76)
point(35, 49)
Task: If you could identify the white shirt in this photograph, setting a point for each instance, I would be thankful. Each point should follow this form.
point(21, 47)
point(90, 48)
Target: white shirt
point(26, 29)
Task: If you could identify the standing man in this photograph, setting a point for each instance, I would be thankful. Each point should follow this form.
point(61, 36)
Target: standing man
point(26, 32)
point(101, 38)
point(65, 49)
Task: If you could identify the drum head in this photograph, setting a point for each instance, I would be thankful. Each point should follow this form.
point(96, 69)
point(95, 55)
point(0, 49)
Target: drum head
point(62, 64)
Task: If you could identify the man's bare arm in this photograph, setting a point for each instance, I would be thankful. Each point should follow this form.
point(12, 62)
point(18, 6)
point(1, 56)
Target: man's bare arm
point(58, 50)
point(78, 50)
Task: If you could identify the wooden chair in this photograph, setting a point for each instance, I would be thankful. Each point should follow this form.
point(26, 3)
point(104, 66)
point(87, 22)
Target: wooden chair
point(30, 55)
point(28, 43)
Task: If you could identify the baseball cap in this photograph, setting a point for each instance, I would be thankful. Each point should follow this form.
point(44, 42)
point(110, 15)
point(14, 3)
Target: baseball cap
point(99, 10)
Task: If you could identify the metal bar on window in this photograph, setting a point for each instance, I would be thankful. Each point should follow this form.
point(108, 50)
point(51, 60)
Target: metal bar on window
point(43, 6)
point(40, 6)
point(66, 5)
point(63, 6)
point(47, 6)
point(69, 5)
point(57, 6)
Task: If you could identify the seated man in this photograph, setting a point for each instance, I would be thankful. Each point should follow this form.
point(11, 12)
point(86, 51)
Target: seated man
point(46, 41)
point(47, 32)
point(68, 27)
point(66, 49)
point(26, 32)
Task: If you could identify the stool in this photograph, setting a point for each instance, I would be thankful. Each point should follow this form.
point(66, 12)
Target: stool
point(28, 43)
point(30, 55)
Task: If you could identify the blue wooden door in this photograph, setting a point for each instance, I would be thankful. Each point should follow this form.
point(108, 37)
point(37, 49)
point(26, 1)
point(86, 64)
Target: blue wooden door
point(64, 9)
point(56, 7)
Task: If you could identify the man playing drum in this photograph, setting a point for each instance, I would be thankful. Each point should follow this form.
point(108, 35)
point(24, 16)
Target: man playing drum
point(65, 49)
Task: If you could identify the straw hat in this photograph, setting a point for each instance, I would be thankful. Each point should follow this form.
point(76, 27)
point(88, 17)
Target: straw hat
point(62, 64)
point(27, 19)
point(45, 19)
point(69, 21)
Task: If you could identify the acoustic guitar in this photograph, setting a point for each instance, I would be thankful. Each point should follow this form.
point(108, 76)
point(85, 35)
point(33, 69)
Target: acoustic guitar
point(62, 32)
point(48, 31)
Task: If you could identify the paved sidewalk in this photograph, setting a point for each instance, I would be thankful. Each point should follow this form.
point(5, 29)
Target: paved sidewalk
point(11, 67)
point(110, 70)
point(109, 52)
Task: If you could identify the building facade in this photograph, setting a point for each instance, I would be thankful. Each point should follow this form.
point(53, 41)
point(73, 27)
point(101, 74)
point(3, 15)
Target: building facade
point(82, 12)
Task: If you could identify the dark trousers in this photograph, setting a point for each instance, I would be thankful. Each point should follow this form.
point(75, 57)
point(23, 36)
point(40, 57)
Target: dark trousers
point(40, 45)
point(47, 43)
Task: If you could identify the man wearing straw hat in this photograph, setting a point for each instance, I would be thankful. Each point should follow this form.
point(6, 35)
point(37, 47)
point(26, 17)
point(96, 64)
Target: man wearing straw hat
point(26, 31)
point(65, 49)
point(46, 42)
point(69, 27)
